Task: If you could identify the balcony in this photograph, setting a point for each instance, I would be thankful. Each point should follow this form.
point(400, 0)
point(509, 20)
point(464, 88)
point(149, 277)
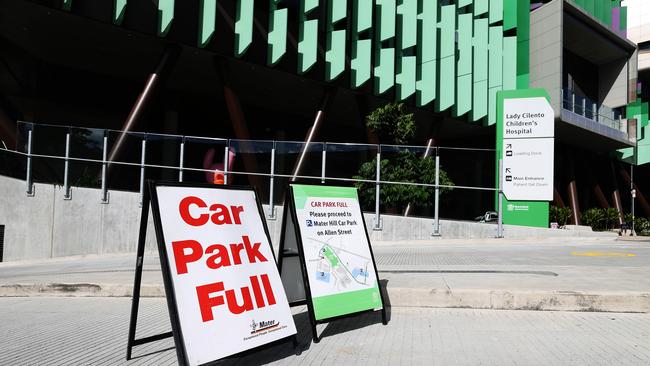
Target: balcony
point(587, 114)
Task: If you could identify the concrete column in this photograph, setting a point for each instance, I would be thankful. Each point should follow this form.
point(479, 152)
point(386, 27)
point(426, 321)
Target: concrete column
point(572, 192)
point(616, 195)
point(326, 103)
point(167, 61)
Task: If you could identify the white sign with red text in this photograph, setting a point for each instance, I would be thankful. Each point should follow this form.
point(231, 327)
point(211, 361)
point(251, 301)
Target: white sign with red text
point(227, 287)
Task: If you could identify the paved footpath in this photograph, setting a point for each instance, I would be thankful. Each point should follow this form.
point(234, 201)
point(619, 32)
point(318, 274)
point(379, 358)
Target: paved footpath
point(556, 274)
point(93, 331)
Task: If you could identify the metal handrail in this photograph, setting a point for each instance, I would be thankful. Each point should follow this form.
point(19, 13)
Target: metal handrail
point(271, 147)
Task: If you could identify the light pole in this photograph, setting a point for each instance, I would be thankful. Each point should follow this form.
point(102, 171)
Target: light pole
point(633, 194)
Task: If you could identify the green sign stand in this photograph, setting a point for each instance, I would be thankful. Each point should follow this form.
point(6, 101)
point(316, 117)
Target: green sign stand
point(523, 213)
point(325, 258)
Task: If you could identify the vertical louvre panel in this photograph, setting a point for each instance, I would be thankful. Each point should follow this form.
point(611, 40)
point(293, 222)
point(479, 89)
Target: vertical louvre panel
point(165, 16)
point(207, 21)
point(335, 51)
point(244, 26)
point(118, 11)
point(480, 59)
point(496, 11)
point(464, 78)
point(406, 40)
point(447, 63)
point(277, 38)
point(509, 63)
point(307, 36)
point(509, 14)
point(495, 70)
point(427, 46)
point(361, 58)
point(384, 77)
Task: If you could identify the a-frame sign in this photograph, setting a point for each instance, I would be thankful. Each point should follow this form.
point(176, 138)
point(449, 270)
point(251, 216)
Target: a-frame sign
point(325, 257)
point(222, 285)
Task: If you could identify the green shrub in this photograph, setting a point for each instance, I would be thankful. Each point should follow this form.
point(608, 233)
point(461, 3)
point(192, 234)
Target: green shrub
point(561, 215)
point(595, 218)
point(611, 218)
point(601, 219)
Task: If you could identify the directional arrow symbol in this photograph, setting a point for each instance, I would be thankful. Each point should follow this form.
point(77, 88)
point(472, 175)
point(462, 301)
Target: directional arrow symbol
point(508, 146)
point(507, 170)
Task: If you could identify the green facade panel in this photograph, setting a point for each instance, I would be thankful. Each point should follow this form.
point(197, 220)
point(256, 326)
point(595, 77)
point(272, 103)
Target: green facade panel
point(495, 12)
point(277, 37)
point(495, 70)
point(407, 27)
point(464, 65)
point(119, 6)
point(509, 14)
point(384, 76)
point(523, 44)
point(361, 47)
point(307, 36)
point(165, 16)
point(244, 26)
point(336, 39)
point(481, 6)
point(509, 63)
point(447, 62)
point(207, 21)
point(480, 70)
point(427, 45)
point(449, 54)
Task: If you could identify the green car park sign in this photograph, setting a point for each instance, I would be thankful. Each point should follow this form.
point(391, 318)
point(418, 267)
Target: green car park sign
point(525, 145)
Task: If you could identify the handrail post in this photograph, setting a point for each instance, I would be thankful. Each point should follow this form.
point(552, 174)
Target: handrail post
point(500, 200)
point(181, 160)
point(225, 163)
point(323, 163)
point(66, 167)
point(272, 185)
point(104, 170)
point(436, 224)
point(377, 219)
point(28, 179)
point(142, 166)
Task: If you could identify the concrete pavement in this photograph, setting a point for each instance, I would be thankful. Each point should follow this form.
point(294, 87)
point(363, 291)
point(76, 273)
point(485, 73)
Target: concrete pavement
point(93, 331)
point(555, 274)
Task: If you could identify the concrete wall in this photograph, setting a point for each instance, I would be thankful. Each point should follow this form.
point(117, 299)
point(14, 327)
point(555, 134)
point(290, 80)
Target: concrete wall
point(613, 83)
point(546, 51)
point(47, 226)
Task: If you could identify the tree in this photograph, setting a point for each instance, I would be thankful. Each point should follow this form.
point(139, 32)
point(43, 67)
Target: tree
point(393, 125)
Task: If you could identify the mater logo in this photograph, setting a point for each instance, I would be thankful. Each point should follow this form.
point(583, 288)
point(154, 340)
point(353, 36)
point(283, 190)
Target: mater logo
point(263, 325)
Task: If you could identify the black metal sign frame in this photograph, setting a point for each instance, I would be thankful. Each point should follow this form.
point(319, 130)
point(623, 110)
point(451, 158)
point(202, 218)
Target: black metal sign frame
point(290, 213)
point(150, 199)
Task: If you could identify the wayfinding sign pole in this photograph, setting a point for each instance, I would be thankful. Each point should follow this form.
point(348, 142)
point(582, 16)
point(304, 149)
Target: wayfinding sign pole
point(525, 145)
point(223, 289)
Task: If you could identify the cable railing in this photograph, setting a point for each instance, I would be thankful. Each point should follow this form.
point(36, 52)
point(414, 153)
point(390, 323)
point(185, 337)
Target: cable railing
point(205, 157)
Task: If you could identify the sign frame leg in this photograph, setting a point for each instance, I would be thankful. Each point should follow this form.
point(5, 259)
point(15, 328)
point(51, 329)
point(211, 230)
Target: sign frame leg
point(137, 281)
